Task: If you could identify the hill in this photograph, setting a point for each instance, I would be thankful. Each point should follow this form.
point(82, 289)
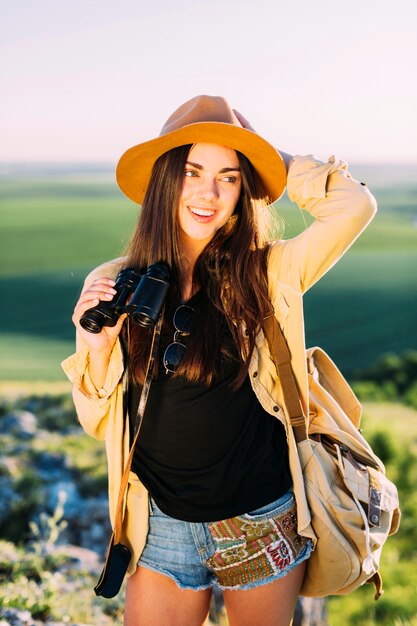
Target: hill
point(58, 222)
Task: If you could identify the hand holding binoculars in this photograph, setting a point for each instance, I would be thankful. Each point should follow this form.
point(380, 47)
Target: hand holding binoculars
point(148, 293)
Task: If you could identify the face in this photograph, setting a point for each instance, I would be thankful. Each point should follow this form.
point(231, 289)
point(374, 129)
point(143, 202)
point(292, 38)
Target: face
point(211, 189)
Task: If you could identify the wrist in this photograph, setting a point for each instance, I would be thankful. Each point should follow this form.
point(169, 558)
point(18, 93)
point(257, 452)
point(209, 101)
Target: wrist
point(100, 353)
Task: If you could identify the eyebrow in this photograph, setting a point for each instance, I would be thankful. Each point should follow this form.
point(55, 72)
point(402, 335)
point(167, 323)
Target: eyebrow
point(224, 170)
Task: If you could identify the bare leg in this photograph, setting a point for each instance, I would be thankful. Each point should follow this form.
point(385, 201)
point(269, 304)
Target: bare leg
point(153, 599)
point(268, 605)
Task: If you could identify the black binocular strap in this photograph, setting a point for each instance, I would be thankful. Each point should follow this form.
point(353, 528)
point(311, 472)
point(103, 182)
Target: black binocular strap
point(139, 420)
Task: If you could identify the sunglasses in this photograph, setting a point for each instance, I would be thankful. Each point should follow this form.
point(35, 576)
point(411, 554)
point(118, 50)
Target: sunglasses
point(183, 321)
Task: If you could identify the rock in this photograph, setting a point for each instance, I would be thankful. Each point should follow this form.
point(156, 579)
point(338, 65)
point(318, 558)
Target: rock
point(64, 484)
point(21, 424)
point(86, 521)
point(7, 496)
point(50, 466)
point(82, 558)
point(9, 465)
point(90, 527)
point(16, 617)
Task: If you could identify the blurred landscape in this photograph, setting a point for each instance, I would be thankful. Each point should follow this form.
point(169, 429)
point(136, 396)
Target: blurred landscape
point(57, 223)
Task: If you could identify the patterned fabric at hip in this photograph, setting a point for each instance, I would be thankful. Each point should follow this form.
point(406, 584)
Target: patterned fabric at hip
point(254, 547)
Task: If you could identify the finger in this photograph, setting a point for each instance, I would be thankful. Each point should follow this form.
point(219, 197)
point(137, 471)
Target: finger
point(95, 287)
point(84, 304)
point(102, 280)
point(242, 119)
point(120, 322)
point(94, 295)
point(88, 296)
point(82, 307)
point(239, 116)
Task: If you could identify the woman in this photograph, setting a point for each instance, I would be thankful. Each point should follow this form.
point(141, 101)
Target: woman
point(215, 492)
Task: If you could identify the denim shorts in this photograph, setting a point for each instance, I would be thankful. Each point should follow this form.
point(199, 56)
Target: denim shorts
point(241, 552)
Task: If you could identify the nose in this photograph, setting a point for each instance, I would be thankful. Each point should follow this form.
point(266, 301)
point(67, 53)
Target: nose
point(208, 190)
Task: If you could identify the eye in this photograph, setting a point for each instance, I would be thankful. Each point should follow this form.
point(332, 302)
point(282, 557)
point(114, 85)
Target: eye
point(191, 173)
point(229, 179)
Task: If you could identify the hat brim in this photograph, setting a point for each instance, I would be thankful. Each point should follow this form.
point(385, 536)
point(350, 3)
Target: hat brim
point(134, 169)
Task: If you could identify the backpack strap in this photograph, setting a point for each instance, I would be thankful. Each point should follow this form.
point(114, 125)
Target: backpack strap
point(280, 354)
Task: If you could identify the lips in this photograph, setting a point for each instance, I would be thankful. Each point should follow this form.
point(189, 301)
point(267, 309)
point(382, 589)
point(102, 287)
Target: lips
point(201, 212)
point(201, 215)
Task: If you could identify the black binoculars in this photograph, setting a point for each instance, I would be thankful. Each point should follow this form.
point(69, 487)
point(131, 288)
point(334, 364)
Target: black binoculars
point(149, 291)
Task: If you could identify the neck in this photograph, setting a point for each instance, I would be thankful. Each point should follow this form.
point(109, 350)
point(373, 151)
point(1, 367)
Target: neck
point(191, 250)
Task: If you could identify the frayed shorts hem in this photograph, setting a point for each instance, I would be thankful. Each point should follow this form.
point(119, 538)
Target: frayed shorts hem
point(214, 583)
point(164, 572)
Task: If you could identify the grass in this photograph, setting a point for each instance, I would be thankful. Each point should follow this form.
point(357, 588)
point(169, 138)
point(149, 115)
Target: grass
point(396, 419)
point(12, 390)
point(57, 227)
point(364, 307)
point(62, 233)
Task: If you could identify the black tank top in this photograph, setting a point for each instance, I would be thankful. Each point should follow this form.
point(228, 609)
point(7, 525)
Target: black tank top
point(206, 453)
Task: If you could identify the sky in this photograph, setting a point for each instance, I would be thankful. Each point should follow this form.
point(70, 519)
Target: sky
point(83, 80)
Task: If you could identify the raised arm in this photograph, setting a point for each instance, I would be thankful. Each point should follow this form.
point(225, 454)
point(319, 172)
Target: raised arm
point(342, 208)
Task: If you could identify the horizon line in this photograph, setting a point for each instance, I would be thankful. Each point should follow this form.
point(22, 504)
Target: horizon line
point(110, 164)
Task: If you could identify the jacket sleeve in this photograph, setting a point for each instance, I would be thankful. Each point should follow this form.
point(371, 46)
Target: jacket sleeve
point(95, 406)
point(342, 208)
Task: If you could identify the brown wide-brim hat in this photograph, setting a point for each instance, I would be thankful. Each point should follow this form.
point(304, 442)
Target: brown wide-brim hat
point(204, 119)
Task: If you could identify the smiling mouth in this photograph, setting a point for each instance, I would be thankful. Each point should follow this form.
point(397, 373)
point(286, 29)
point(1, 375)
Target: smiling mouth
point(201, 212)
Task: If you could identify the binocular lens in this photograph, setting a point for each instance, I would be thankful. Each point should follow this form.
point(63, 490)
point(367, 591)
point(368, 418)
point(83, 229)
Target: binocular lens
point(143, 319)
point(90, 324)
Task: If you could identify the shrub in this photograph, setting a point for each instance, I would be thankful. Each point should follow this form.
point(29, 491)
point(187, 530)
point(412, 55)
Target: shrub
point(25, 594)
point(15, 526)
point(399, 371)
point(410, 397)
point(383, 445)
point(370, 391)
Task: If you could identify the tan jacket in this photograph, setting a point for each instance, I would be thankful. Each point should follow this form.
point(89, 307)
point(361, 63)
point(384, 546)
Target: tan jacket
point(342, 208)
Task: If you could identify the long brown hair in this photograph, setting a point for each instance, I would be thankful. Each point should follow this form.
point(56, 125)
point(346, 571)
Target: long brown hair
point(231, 269)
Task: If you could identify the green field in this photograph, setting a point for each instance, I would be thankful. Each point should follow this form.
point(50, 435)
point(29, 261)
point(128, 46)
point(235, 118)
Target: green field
point(57, 225)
